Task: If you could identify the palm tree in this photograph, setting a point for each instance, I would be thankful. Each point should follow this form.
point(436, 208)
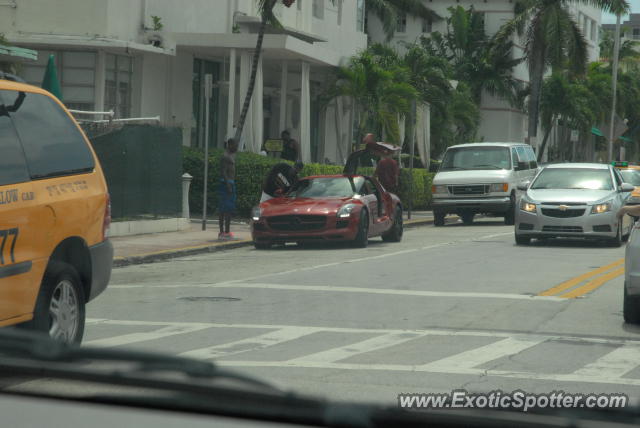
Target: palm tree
point(552, 38)
point(387, 12)
point(485, 63)
point(380, 94)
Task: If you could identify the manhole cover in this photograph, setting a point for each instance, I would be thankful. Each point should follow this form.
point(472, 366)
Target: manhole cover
point(209, 299)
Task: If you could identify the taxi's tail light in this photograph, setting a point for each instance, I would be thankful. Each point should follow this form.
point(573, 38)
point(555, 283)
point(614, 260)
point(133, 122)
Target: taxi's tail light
point(106, 223)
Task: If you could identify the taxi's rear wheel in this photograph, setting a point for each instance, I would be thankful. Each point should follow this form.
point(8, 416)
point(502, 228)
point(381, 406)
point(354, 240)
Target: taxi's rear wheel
point(630, 308)
point(60, 307)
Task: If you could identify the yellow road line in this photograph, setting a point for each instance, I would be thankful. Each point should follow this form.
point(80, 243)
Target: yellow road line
point(593, 284)
point(578, 279)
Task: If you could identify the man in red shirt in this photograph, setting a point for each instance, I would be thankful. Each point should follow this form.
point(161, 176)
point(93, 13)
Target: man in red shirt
point(387, 172)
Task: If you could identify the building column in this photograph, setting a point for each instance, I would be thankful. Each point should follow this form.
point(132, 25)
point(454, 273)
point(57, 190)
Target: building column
point(305, 114)
point(231, 102)
point(245, 74)
point(99, 83)
point(283, 96)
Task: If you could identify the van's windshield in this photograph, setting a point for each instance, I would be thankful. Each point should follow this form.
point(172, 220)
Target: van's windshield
point(476, 158)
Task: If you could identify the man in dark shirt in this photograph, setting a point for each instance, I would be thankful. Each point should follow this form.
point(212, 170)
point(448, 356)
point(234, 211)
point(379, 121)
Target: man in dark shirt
point(280, 180)
point(290, 147)
point(227, 193)
point(387, 172)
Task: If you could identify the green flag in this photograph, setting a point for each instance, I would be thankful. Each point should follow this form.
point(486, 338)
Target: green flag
point(50, 81)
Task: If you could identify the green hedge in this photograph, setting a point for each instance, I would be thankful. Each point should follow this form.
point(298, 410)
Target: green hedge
point(252, 168)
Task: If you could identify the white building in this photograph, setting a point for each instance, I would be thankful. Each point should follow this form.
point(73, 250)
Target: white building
point(499, 120)
point(110, 55)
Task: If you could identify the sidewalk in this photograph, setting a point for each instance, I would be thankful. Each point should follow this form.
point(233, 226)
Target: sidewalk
point(152, 247)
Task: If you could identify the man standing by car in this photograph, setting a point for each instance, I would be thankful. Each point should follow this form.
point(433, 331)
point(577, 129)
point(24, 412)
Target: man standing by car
point(227, 189)
point(387, 172)
point(290, 147)
point(280, 180)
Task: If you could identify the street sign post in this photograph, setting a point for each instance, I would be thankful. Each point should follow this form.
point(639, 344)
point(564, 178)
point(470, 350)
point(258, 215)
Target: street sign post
point(208, 89)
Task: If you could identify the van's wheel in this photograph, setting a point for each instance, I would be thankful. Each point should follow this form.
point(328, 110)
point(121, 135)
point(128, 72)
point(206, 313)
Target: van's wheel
point(60, 306)
point(467, 218)
point(510, 215)
point(362, 237)
point(630, 307)
point(438, 218)
point(395, 233)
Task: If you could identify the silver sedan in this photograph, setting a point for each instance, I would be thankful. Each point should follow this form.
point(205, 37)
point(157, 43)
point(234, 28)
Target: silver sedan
point(573, 200)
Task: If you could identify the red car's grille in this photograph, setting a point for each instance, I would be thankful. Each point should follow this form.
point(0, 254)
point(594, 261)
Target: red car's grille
point(297, 222)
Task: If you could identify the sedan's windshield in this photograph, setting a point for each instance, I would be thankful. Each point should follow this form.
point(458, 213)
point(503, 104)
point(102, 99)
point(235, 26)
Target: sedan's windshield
point(574, 178)
point(329, 187)
point(476, 158)
point(631, 176)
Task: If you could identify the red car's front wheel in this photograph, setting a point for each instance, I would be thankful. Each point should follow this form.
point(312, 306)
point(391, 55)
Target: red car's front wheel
point(362, 237)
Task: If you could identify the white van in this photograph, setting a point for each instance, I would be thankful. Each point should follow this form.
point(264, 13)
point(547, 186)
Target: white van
point(481, 178)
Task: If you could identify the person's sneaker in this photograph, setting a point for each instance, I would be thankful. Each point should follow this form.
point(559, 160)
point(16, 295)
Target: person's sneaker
point(222, 236)
point(231, 237)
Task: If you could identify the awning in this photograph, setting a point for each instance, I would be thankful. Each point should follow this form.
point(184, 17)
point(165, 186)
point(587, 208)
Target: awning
point(596, 131)
point(16, 54)
point(627, 139)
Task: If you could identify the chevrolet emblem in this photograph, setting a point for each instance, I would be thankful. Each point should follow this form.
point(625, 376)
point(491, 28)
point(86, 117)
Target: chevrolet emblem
point(563, 207)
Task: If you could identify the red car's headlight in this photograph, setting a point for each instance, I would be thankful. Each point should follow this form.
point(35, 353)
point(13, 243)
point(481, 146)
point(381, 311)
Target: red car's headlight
point(346, 210)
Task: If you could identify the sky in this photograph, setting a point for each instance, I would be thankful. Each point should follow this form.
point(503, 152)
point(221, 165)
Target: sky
point(608, 18)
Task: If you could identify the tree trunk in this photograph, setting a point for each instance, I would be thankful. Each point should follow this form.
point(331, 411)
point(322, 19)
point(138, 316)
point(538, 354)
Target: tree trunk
point(254, 72)
point(536, 76)
point(543, 146)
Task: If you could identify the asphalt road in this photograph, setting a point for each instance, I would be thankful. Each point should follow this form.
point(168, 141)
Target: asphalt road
point(447, 308)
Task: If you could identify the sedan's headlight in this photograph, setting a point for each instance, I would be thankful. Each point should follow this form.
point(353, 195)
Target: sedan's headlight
point(346, 210)
point(527, 206)
point(256, 213)
point(439, 188)
point(499, 187)
point(601, 208)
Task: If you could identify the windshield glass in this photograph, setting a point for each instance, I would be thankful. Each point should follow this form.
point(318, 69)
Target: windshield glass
point(573, 178)
point(631, 176)
point(341, 187)
point(476, 158)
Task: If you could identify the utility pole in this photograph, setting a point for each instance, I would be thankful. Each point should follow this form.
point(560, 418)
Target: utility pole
point(616, 57)
point(208, 89)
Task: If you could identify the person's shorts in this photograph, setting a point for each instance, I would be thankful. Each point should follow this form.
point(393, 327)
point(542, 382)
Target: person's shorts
point(226, 199)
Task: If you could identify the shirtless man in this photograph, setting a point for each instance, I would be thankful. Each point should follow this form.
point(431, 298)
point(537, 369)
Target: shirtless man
point(227, 189)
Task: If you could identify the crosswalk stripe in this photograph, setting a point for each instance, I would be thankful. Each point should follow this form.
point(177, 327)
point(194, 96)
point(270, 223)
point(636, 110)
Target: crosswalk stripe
point(368, 345)
point(615, 364)
point(251, 344)
point(128, 339)
point(478, 356)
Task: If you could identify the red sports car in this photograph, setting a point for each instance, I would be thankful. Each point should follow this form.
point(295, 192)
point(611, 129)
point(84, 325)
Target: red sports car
point(329, 208)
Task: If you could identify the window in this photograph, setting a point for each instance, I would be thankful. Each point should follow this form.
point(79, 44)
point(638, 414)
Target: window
point(480, 16)
point(533, 163)
point(339, 3)
point(13, 168)
point(427, 25)
point(318, 9)
point(401, 25)
point(117, 89)
point(52, 143)
point(594, 31)
point(523, 157)
point(360, 16)
point(76, 72)
point(636, 33)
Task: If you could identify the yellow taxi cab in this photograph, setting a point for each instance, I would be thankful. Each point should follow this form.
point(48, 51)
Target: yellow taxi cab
point(630, 174)
point(54, 215)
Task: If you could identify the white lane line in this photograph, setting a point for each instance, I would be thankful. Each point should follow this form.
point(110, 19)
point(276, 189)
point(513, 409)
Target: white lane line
point(338, 263)
point(385, 291)
point(127, 339)
point(478, 356)
point(432, 331)
point(615, 364)
point(368, 345)
point(424, 369)
point(251, 344)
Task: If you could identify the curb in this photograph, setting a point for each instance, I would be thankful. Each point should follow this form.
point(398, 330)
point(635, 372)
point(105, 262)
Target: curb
point(189, 251)
point(180, 252)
